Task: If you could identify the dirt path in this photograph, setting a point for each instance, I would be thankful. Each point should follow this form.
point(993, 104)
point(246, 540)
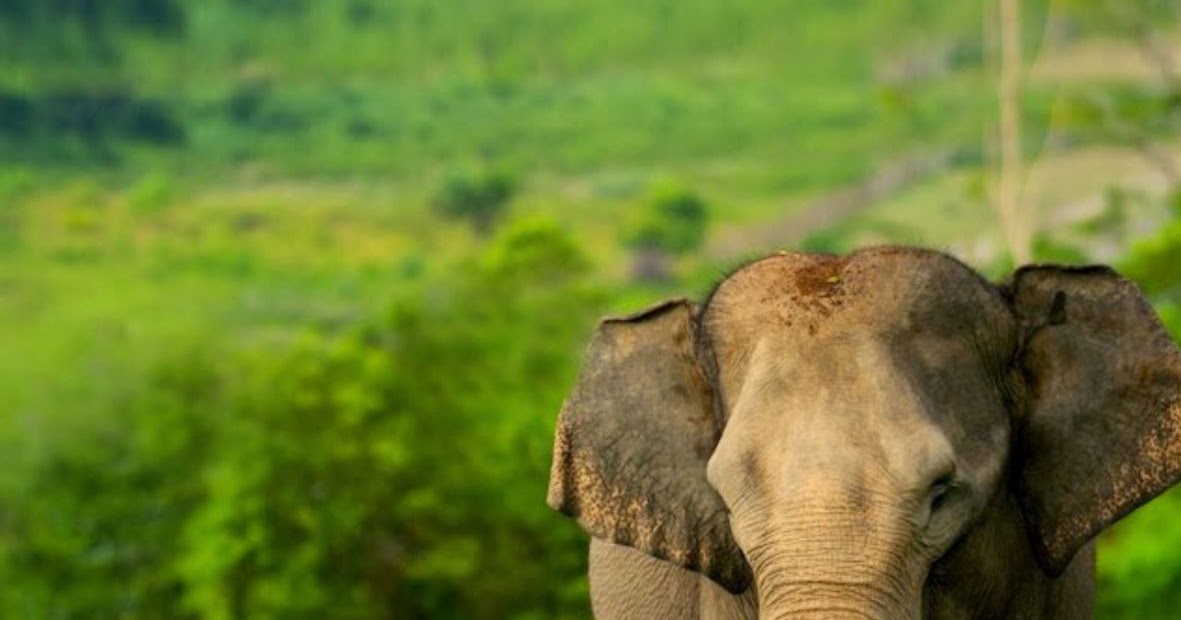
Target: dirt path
point(825, 211)
point(1065, 188)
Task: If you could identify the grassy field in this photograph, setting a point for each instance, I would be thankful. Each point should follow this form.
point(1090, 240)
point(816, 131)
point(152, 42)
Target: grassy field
point(312, 136)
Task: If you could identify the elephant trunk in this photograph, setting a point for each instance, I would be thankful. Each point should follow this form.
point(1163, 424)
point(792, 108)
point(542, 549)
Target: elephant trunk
point(837, 564)
point(817, 600)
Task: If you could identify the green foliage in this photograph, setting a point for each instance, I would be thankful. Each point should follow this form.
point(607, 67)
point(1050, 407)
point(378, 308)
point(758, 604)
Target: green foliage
point(1047, 249)
point(312, 89)
point(82, 31)
point(1113, 219)
point(539, 250)
point(275, 6)
point(481, 198)
point(830, 240)
point(1129, 115)
point(151, 193)
point(167, 16)
point(95, 527)
point(84, 124)
point(426, 501)
point(672, 219)
point(1120, 17)
point(1173, 200)
point(393, 467)
point(1135, 115)
point(1153, 263)
point(1139, 572)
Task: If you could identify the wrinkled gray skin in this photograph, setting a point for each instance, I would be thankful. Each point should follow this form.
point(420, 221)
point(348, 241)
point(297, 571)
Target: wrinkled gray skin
point(884, 435)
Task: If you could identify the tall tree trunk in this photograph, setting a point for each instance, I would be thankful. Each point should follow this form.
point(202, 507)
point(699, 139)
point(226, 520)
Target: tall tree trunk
point(1015, 222)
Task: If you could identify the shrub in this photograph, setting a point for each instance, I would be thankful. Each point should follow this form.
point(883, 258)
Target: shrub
point(392, 468)
point(481, 198)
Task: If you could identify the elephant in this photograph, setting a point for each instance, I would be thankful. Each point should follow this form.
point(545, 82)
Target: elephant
point(883, 434)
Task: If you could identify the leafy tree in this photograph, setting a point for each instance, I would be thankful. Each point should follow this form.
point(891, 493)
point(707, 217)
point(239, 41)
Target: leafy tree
point(399, 470)
point(481, 198)
point(536, 249)
point(98, 20)
point(672, 221)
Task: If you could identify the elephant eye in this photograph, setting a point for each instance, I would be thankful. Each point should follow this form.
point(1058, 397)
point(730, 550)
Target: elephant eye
point(939, 493)
point(946, 508)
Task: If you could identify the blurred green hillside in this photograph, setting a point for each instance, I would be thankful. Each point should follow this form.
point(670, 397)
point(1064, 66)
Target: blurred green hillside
point(291, 291)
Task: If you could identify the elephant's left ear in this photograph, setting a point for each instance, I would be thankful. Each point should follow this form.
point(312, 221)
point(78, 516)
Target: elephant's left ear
point(1102, 432)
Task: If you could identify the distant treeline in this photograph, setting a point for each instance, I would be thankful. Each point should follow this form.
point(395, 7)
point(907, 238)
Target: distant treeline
point(91, 116)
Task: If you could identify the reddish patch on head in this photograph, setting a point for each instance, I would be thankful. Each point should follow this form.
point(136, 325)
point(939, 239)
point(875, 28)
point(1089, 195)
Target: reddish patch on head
point(799, 290)
point(820, 279)
point(819, 287)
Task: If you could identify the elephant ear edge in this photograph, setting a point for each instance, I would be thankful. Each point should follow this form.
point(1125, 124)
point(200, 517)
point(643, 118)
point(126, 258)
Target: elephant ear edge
point(633, 440)
point(1101, 435)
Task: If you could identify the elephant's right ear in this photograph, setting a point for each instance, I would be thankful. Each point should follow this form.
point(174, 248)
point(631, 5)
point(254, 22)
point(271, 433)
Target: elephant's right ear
point(632, 444)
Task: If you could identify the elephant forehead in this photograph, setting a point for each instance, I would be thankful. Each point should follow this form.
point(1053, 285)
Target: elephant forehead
point(879, 289)
point(926, 308)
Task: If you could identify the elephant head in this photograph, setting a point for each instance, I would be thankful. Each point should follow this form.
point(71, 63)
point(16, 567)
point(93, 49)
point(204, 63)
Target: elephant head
point(829, 430)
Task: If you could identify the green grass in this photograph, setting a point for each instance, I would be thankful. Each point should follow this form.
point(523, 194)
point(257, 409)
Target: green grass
point(786, 92)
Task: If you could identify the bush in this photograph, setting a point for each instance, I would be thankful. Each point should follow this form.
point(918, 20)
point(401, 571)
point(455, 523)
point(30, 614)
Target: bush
point(395, 468)
point(1153, 263)
point(94, 529)
point(672, 220)
point(481, 198)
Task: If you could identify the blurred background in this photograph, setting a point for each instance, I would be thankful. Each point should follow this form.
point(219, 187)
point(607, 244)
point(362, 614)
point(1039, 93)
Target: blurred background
point(291, 291)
